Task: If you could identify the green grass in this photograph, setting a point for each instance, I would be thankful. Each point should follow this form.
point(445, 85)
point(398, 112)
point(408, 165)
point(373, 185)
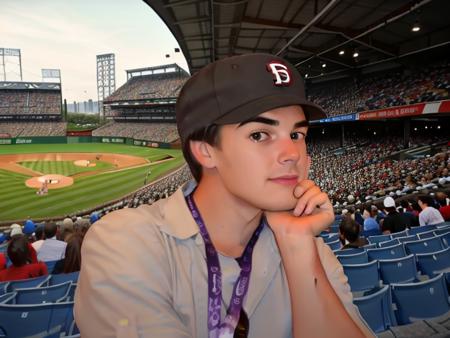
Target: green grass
point(66, 168)
point(19, 202)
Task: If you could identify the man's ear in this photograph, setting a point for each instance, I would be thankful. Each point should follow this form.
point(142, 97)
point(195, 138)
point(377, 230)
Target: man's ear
point(201, 151)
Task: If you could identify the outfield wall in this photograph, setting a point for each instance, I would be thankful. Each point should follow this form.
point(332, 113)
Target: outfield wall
point(83, 139)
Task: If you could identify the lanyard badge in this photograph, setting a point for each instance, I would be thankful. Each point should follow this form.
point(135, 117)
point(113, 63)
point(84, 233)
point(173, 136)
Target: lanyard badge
point(217, 328)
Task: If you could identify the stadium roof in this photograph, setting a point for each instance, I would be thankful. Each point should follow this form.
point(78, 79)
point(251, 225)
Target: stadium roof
point(30, 85)
point(309, 33)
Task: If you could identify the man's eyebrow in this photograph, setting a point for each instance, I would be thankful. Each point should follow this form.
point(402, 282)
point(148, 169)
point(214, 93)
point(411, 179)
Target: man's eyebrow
point(271, 122)
point(260, 119)
point(300, 124)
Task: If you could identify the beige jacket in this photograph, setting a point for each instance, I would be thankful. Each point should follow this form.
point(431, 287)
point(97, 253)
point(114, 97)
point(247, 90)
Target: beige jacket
point(144, 275)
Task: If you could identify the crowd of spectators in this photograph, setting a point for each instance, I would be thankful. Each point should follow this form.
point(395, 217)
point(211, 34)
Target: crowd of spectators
point(148, 87)
point(364, 171)
point(21, 129)
point(395, 88)
point(158, 132)
point(34, 250)
point(20, 102)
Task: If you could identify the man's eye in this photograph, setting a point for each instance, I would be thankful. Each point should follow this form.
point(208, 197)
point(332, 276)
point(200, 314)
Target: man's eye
point(297, 135)
point(258, 136)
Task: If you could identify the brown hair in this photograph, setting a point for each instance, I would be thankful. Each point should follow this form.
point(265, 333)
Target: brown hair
point(209, 135)
point(72, 261)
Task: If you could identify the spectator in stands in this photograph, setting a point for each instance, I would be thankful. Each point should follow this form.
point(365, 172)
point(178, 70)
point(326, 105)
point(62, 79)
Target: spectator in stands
point(371, 226)
point(66, 229)
point(51, 249)
point(22, 266)
point(28, 229)
point(349, 231)
point(444, 205)
point(2, 261)
point(39, 236)
point(72, 259)
point(428, 215)
point(406, 211)
point(393, 222)
point(144, 270)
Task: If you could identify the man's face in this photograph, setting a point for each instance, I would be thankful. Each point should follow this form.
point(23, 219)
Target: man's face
point(260, 161)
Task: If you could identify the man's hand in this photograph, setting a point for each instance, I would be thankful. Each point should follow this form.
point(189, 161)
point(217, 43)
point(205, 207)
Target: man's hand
point(312, 213)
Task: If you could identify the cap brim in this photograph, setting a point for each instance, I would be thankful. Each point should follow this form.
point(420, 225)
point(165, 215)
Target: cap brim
point(261, 105)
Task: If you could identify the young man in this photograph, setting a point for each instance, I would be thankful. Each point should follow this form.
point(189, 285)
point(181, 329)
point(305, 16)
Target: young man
point(234, 253)
point(428, 215)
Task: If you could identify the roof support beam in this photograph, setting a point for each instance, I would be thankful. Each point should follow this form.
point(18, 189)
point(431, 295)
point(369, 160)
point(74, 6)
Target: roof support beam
point(310, 24)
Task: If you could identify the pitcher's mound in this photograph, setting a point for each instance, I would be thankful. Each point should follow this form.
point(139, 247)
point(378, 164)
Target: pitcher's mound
point(84, 163)
point(52, 181)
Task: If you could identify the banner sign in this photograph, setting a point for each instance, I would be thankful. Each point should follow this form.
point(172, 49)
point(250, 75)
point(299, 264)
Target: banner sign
point(394, 112)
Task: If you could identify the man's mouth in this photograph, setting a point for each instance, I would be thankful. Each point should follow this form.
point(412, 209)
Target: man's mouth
point(290, 180)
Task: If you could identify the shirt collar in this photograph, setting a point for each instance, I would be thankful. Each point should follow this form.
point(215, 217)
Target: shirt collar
point(179, 222)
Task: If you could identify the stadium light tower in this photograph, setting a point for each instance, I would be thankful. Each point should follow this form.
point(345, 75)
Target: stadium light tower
point(106, 78)
point(7, 53)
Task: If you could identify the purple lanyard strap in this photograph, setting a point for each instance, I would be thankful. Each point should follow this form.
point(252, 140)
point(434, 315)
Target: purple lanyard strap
point(226, 328)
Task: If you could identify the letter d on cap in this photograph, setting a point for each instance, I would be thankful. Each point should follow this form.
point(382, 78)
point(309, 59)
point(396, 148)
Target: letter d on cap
point(280, 72)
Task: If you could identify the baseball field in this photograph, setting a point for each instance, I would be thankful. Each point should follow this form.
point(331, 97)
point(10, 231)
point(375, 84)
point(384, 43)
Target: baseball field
point(52, 180)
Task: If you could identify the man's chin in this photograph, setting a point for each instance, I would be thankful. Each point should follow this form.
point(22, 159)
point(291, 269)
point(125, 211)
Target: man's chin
point(282, 205)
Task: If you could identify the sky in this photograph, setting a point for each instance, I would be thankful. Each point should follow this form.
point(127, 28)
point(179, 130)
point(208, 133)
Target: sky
point(68, 34)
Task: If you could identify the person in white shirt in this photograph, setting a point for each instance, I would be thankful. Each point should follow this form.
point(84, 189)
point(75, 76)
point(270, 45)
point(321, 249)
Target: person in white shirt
point(428, 215)
point(51, 249)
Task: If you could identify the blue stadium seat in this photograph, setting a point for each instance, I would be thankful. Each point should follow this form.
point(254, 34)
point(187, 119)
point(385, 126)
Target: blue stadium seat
point(445, 238)
point(389, 252)
point(424, 246)
point(376, 309)
point(373, 232)
point(64, 277)
point(378, 239)
point(407, 238)
point(420, 229)
point(425, 235)
point(330, 238)
point(403, 233)
point(349, 251)
point(3, 287)
point(48, 294)
point(357, 258)
point(398, 270)
point(61, 320)
point(434, 263)
point(28, 283)
point(336, 245)
point(334, 229)
point(441, 231)
point(37, 320)
point(421, 300)
point(362, 277)
point(8, 298)
point(370, 246)
point(71, 294)
point(51, 266)
point(391, 242)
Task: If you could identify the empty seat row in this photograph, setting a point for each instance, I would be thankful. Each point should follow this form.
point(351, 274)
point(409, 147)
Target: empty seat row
point(400, 304)
point(367, 276)
point(48, 280)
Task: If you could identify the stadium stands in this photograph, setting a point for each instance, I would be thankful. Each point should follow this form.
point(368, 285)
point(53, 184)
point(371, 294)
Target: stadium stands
point(148, 87)
point(158, 132)
point(394, 88)
point(20, 129)
point(20, 102)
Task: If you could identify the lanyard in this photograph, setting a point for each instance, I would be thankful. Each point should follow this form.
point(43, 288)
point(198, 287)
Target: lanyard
point(226, 328)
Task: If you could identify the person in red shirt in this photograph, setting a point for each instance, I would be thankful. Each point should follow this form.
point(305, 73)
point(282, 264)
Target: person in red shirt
point(22, 266)
point(2, 261)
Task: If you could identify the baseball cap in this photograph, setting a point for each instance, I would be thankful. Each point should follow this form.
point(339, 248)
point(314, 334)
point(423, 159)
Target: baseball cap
point(16, 229)
point(235, 89)
point(389, 202)
point(29, 227)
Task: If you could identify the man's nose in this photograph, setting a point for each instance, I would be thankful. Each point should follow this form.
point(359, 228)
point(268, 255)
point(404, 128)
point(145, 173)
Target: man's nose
point(289, 151)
